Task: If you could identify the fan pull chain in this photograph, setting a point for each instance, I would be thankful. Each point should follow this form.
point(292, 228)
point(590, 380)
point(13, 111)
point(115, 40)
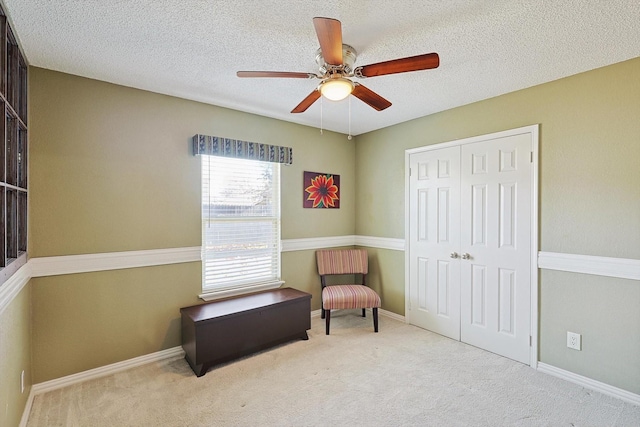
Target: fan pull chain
point(349, 136)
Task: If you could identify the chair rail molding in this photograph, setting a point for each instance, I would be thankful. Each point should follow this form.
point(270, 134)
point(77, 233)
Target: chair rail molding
point(13, 285)
point(623, 268)
point(70, 264)
point(312, 243)
point(87, 263)
point(380, 242)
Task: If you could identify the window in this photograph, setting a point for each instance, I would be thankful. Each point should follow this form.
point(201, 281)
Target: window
point(240, 224)
point(13, 153)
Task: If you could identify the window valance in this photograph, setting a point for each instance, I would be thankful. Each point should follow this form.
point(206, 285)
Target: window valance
point(225, 147)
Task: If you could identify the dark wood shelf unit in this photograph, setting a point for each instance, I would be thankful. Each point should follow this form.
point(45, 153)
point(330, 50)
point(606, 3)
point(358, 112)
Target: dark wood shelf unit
point(13, 147)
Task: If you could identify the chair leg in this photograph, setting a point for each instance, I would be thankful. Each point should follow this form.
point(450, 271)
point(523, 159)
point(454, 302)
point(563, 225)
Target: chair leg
point(328, 319)
point(322, 313)
point(364, 313)
point(375, 319)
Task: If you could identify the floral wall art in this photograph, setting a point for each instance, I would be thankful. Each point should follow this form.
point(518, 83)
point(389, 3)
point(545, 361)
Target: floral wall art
point(321, 190)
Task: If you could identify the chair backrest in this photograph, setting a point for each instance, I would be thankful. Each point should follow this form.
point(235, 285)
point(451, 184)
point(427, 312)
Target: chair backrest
point(342, 261)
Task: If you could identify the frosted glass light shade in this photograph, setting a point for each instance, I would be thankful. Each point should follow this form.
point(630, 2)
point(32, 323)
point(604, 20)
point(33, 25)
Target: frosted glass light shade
point(336, 89)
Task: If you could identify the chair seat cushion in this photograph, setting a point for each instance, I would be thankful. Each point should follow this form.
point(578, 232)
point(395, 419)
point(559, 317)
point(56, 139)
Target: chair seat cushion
point(338, 297)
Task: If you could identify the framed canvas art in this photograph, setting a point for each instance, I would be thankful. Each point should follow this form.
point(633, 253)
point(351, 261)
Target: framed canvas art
point(321, 190)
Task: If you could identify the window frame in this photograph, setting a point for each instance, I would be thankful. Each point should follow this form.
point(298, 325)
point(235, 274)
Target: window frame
point(14, 193)
point(213, 292)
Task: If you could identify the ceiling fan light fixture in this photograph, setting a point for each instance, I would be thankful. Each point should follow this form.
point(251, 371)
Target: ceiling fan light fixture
point(336, 89)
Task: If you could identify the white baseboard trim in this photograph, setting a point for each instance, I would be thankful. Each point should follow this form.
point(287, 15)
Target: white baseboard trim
point(585, 382)
point(138, 361)
point(93, 374)
point(27, 410)
point(106, 370)
point(623, 268)
point(70, 264)
point(392, 315)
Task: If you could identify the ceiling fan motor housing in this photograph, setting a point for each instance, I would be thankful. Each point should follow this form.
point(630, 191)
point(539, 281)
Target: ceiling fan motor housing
point(349, 56)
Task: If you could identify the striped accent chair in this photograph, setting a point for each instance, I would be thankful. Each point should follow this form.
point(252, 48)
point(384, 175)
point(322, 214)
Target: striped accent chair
point(346, 296)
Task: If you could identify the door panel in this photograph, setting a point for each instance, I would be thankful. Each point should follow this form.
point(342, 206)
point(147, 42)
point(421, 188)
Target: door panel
point(496, 235)
point(434, 292)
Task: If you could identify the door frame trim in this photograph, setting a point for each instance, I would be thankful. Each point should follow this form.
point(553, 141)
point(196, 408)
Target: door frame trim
point(533, 131)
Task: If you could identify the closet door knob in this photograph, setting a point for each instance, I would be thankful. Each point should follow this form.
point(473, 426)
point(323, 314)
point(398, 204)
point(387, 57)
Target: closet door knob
point(454, 255)
point(466, 256)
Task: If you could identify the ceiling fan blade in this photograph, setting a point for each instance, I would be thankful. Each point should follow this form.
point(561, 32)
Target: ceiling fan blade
point(329, 33)
point(402, 65)
point(369, 97)
point(284, 74)
point(307, 102)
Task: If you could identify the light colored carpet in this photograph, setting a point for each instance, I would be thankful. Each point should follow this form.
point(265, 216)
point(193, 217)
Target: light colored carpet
point(402, 376)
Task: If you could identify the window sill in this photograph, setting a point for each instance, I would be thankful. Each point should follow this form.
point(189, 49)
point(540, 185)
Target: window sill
point(232, 292)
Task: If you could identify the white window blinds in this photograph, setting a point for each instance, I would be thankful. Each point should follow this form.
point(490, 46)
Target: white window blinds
point(240, 222)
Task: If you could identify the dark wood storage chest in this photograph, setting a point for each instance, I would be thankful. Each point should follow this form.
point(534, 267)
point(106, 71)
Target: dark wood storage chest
point(222, 330)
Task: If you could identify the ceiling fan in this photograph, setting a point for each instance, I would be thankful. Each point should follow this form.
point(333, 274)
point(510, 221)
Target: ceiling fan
point(336, 61)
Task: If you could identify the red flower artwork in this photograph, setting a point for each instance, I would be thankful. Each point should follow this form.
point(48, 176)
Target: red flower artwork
point(321, 190)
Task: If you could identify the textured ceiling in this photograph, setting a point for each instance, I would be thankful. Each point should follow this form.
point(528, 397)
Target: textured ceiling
point(193, 48)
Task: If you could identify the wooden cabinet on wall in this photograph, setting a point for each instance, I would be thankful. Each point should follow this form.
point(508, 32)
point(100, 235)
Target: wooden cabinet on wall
point(13, 151)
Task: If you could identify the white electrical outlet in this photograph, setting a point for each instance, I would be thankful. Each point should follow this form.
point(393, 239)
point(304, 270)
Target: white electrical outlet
point(574, 341)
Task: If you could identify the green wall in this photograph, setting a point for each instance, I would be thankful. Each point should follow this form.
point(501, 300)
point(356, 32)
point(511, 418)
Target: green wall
point(15, 357)
point(589, 204)
point(112, 170)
